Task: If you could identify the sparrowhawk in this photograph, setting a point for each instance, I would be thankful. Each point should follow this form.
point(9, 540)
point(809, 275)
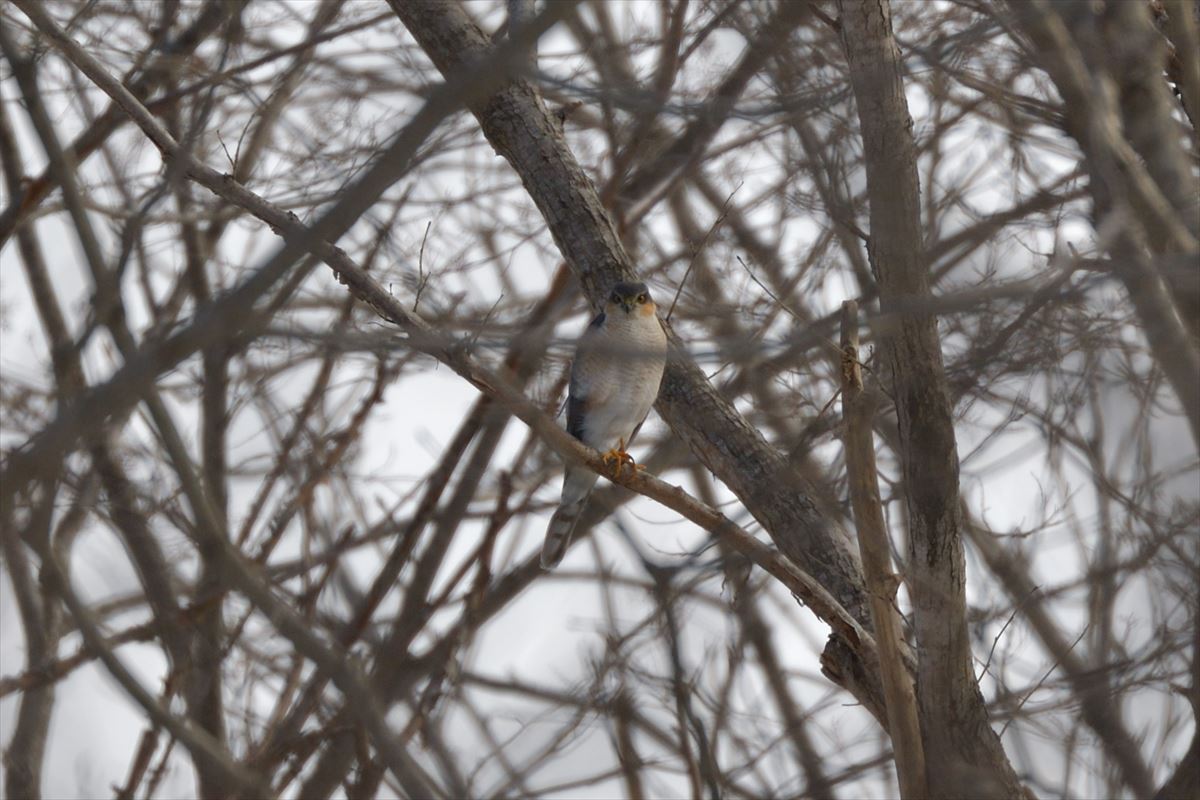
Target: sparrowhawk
point(615, 376)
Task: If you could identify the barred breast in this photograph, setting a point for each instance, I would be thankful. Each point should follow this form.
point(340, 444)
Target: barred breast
point(633, 374)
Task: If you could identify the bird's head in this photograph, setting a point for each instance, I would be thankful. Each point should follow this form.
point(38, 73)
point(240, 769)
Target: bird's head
point(630, 298)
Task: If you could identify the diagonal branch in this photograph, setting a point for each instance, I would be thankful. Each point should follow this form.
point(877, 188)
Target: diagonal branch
point(233, 313)
point(517, 125)
point(847, 628)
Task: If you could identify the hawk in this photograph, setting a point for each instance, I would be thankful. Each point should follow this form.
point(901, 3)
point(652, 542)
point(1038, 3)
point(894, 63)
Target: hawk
point(615, 376)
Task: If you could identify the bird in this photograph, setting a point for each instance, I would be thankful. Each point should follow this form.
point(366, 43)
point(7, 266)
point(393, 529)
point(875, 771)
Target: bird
point(615, 379)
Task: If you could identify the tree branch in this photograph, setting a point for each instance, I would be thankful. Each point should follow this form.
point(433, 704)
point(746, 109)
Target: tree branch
point(954, 719)
point(517, 125)
point(858, 410)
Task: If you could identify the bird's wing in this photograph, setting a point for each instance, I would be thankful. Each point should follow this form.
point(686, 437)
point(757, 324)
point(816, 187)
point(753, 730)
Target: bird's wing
point(583, 369)
point(633, 435)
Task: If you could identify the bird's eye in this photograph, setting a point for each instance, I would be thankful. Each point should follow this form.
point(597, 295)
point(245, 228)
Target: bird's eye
point(616, 298)
point(641, 298)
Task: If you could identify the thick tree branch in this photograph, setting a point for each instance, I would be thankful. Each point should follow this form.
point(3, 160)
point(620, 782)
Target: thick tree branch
point(954, 718)
point(858, 411)
point(517, 124)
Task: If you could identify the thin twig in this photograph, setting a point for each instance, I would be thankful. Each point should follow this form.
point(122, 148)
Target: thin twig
point(1038, 685)
point(421, 279)
point(773, 296)
point(1003, 628)
point(696, 253)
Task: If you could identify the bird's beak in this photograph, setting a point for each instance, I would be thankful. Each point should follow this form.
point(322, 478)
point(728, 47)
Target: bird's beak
point(627, 305)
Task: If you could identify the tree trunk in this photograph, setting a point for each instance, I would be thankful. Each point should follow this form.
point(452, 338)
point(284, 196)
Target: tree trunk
point(967, 758)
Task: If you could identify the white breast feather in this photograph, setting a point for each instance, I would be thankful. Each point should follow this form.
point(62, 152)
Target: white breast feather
point(622, 377)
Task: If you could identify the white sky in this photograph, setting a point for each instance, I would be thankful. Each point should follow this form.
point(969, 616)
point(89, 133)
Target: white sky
point(552, 632)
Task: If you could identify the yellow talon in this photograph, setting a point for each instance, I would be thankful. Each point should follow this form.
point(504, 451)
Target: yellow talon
point(617, 458)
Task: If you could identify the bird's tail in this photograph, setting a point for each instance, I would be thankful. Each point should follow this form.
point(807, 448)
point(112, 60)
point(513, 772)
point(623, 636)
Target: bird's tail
point(558, 533)
point(576, 487)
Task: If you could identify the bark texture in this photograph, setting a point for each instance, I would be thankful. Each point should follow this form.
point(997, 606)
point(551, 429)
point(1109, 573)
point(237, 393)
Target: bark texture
point(858, 411)
point(970, 759)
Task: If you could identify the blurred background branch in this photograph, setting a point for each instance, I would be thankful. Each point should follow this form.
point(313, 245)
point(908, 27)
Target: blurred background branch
point(270, 529)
